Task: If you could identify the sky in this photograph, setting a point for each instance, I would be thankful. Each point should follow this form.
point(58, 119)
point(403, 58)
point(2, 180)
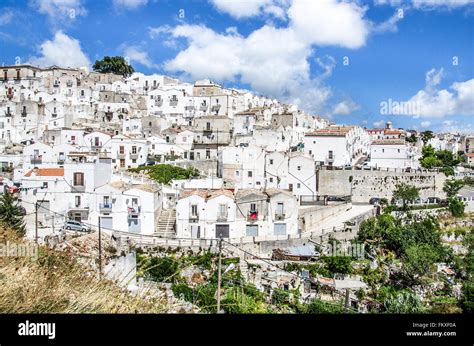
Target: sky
point(355, 62)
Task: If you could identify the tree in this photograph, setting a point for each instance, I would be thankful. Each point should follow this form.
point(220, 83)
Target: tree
point(456, 206)
point(403, 302)
point(426, 136)
point(412, 138)
point(164, 173)
point(116, 65)
point(11, 213)
point(452, 187)
point(406, 193)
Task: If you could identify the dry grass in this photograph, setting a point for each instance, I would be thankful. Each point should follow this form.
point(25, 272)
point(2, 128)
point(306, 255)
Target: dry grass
point(57, 283)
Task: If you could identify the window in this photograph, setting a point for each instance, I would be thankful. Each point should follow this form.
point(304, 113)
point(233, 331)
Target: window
point(134, 149)
point(122, 149)
point(208, 126)
point(185, 139)
point(45, 185)
point(253, 207)
point(271, 180)
point(208, 153)
point(279, 209)
point(310, 152)
point(222, 210)
point(298, 185)
point(299, 168)
point(271, 161)
point(185, 154)
point(134, 160)
point(78, 179)
point(194, 210)
point(77, 200)
point(249, 174)
point(122, 163)
point(330, 155)
point(237, 173)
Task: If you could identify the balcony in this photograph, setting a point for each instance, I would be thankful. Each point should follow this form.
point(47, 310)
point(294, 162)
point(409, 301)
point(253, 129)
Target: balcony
point(134, 156)
point(193, 218)
point(78, 187)
point(222, 217)
point(36, 159)
point(203, 108)
point(216, 108)
point(8, 113)
point(23, 113)
point(105, 207)
point(330, 158)
point(121, 154)
point(81, 206)
point(252, 216)
point(54, 115)
point(279, 216)
point(69, 84)
point(173, 103)
point(189, 108)
point(61, 159)
point(158, 103)
point(134, 210)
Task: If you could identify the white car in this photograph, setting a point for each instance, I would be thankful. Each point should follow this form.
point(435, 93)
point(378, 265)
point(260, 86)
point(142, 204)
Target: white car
point(75, 226)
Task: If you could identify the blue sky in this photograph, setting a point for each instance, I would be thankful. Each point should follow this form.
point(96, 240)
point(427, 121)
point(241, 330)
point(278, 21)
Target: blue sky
point(337, 59)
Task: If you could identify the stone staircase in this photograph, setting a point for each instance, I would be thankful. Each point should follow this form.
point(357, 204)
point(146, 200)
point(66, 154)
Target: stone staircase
point(165, 224)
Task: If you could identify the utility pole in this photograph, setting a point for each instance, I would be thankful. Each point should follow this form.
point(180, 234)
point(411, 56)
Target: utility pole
point(347, 299)
point(100, 250)
point(219, 277)
point(217, 152)
point(36, 222)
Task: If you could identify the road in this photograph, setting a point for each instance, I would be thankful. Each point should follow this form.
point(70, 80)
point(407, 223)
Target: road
point(339, 219)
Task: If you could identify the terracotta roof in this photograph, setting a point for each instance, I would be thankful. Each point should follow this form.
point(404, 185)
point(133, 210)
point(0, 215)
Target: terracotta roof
point(388, 142)
point(46, 172)
point(469, 155)
point(195, 192)
point(221, 192)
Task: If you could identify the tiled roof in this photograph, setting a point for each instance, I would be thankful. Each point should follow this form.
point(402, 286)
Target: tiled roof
point(46, 172)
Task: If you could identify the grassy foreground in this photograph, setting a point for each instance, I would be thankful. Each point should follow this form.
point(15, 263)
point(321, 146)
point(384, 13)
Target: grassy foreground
point(56, 282)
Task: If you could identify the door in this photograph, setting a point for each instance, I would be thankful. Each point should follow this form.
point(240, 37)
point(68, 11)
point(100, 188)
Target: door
point(222, 231)
point(280, 229)
point(195, 231)
point(251, 231)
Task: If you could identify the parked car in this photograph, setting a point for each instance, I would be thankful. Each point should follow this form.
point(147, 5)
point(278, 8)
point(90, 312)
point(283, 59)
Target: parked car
point(150, 163)
point(434, 200)
point(73, 225)
point(335, 199)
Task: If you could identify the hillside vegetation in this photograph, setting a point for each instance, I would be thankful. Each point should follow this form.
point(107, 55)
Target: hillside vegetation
point(56, 283)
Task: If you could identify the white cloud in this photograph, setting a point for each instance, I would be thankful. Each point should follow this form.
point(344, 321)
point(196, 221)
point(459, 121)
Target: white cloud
point(243, 9)
point(136, 54)
point(130, 4)
point(425, 124)
point(458, 99)
point(425, 4)
point(63, 51)
point(6, 17)
point(440, 3)
point(379, 123)
point(390, 25)
point(345, 108)
point(329, 23)
point(60, 9)
point(272, 60)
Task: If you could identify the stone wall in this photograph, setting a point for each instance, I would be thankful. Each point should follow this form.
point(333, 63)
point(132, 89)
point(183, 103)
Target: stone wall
point(377, 183)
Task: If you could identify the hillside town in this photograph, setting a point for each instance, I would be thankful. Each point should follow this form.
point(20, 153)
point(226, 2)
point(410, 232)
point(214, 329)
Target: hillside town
point(156, 163)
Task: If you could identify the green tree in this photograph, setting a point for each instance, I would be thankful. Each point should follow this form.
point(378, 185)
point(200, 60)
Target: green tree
point(164, 173)
point(406, 193)
point(338, 264)
point(419, 260)
point(456, 206)
point(426, 136)
point(412, 138)
point(452, 187)
point(403, 302)
point(116, 65)
point(11, 213)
